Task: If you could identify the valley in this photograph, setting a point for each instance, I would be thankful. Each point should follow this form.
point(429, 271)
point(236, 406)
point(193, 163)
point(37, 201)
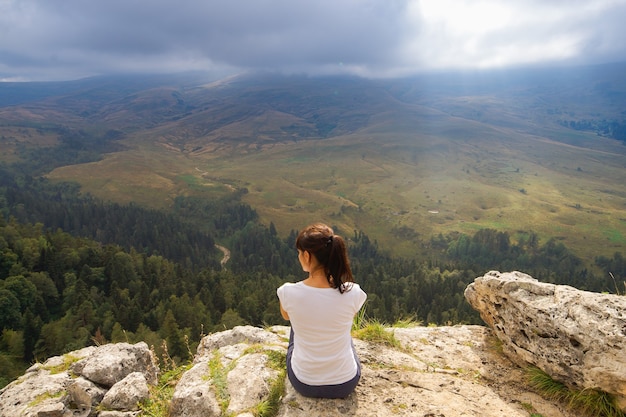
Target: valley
point(402, 161)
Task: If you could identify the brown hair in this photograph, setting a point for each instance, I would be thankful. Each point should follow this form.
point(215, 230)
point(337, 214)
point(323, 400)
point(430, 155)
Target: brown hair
point(330, 251)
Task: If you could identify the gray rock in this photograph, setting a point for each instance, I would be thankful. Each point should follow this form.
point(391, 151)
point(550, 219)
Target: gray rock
point(126, 394)
point(249, 382)
point(51, 410)
point(54, 389)
point(240, 334)
point(435, 371)
point(85, 393)
point(111, 363)
point(194, 396)
point(577, 337)
point(119, 413)
point(35, 392)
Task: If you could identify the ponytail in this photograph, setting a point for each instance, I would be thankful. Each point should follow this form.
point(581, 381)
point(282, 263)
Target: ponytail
point(330, 251)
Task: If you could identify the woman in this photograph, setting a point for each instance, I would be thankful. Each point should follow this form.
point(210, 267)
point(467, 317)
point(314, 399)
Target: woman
point(321, 359)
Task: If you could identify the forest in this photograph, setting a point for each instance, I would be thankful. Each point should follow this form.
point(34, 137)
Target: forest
point(609, 128)
point(76, 271)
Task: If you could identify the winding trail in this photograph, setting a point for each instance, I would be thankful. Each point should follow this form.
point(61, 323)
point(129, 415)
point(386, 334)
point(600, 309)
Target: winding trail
point(226, 253)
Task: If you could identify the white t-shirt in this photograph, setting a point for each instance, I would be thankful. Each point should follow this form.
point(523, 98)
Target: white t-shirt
point(321, 319)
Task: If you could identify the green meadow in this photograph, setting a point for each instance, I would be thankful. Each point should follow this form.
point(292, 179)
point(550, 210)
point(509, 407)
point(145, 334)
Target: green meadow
point(401, 187)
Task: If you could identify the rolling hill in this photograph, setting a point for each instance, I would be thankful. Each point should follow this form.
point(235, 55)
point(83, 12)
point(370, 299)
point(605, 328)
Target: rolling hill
point(402, 160)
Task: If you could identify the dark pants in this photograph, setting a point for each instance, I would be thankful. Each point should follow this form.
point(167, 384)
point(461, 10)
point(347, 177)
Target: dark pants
point(322, 391)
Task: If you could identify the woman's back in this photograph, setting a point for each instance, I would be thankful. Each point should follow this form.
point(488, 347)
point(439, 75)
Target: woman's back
point(322, 320)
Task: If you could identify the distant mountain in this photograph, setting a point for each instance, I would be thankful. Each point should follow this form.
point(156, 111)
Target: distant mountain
point(323, 106)
point(101, 87)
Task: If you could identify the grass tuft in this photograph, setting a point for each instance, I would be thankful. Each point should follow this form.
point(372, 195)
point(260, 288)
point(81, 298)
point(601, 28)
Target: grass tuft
point(407, 323)
point(218, 376)
point(270, 406)
point(68, 360)
point(360, 319)
point(46, 396)
point(617, 290)
point(377, 332)
point(589, 402)
point(161, 395)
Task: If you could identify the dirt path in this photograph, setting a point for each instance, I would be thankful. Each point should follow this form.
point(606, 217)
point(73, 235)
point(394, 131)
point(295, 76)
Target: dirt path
point(226, 253)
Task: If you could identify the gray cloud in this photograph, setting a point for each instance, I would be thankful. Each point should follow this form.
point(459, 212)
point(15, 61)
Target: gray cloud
point(62, 39)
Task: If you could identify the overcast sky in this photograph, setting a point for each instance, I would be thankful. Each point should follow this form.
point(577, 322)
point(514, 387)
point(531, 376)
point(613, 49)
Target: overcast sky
point(69, 39)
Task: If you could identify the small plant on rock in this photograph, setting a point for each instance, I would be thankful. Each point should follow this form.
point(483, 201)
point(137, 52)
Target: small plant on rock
point(590, 402)
point(376, 331)
point(270, 406)
point(161, 395)
point(46, 396)
point(157, 405)
point(68, 360)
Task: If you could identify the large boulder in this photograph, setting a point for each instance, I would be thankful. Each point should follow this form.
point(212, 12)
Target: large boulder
point(576, 337)
point(77, 383)
point(113, 362)
point(248, 335)
point(194, 395)
point(126, 394)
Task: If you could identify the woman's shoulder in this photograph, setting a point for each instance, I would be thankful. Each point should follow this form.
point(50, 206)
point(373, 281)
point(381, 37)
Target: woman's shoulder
point(357, 292)
point(355, 287)
point(287, 285)
point(290, 284)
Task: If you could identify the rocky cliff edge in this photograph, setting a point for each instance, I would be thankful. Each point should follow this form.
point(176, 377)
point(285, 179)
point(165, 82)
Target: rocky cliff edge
point(427, 372)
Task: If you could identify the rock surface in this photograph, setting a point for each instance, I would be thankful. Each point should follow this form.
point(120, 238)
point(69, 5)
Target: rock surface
point(126, 394)
point(77, 384)
point(437, 372)
point(576, 337)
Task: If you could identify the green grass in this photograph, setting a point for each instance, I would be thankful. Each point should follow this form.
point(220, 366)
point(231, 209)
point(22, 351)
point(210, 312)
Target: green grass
point(591, 403)
point(46, 396)
point(267, 407)
point(376, 332)
point(218, 374)
point(277, 360)
point(375, 189)
point(615, 236)
point(270, 406)
point(157, 405)
point(68, 360)
point(407, 323)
